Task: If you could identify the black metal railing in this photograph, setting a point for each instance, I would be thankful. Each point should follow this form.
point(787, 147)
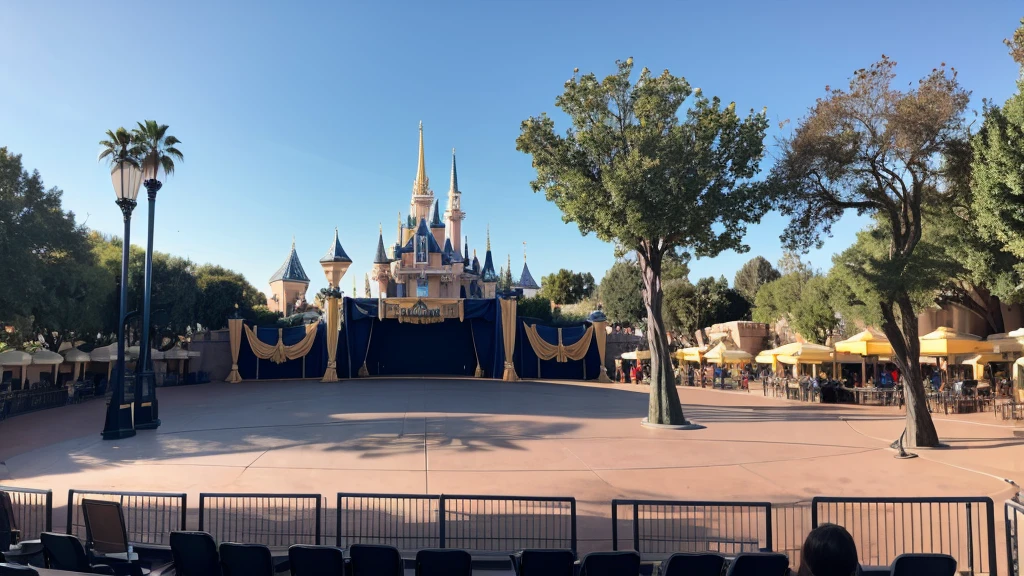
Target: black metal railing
point(405, 521)
point(149, 517)
point(22, 401)
point(790, 525)
point(884, 528)
point(33, 510)
point(662, 527)
point(269, 519)
point(1014, 519)
point(508, 523)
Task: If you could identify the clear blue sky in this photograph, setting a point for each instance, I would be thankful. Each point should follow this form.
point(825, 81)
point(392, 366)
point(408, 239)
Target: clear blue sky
point(296, 118)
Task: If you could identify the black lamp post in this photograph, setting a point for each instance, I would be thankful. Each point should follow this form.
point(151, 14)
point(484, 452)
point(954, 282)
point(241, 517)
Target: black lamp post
point(126, 178)
point(147, 408)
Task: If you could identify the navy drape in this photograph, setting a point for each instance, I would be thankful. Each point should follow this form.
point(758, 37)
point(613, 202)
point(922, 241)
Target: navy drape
point(525, 359)
point(315, 361)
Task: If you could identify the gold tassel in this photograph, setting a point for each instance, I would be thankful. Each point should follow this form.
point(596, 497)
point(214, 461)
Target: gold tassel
point(479, 373)
point(363, 372)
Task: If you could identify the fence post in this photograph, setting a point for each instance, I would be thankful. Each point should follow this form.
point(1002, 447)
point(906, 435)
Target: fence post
point(202, 505)
point(768, 525)
point(184, 511)
point(970, 538)
point(337, 539)
point(442, 520)
point(615, 525)
point(319, 506)
point(636, 527)
point(71, 508)
point(49, 510)
point(572, 506)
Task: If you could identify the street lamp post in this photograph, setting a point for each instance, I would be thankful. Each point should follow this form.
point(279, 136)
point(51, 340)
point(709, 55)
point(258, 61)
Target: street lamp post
point(147, 408)
point(126, 178)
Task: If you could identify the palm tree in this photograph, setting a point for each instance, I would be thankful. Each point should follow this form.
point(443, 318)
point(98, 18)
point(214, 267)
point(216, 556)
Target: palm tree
point(155, 148)
point(118, 147)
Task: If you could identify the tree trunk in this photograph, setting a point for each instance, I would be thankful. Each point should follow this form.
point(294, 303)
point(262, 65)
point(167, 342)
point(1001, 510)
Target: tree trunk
point(664, 406)
point(903, 337)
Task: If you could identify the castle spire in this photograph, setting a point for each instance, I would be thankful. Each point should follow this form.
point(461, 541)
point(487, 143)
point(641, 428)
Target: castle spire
point(524, 251)
point(466, 246)
point(421, 186)
point(488, 237)
point(453, 189)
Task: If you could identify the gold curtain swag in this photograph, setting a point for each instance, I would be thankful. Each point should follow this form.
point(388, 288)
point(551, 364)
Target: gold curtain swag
point(235, 339)
point(331, 374)
point(601, 335)
point(508, 333)
point(279, 353)
point(559, 352)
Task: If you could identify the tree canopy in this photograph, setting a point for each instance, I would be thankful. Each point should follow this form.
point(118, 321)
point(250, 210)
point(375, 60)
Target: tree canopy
point(754, 274)
point(875, 149)
point(566, 286)
point(634, 173)
point(620, 293)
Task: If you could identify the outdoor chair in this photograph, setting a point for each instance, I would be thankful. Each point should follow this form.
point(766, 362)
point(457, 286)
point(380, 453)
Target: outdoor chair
point(759, 564)
point(194, 554)
point(105, 530)
point(930, 564)
point(17, 570)
point(375, 560)
point(309, 560)
point(246, 560)
point(610, 564)
point(9, 533)
point(692, 565)
point(544, 562)
point(66, 552)
point(437, 562)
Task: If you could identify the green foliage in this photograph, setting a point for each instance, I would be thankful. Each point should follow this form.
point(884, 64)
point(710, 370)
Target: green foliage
point(693, 307)
point(567, 287)
point(262, 316)
point(805, 299)
point(620, 293)
point(755, 273)
point(633, 173)
point(153, 147)
point(537, 307)
point(220, 290)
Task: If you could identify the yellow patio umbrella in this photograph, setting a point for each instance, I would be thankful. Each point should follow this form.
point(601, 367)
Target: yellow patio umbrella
point(870, 342)
point(978, 361)
point(634, 355)
point(691, 354)
point(945, 342)
point(722, 355)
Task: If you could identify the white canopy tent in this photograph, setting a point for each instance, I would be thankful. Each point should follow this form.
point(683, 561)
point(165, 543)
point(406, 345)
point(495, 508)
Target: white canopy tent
point(77, 358)
point(15, 358)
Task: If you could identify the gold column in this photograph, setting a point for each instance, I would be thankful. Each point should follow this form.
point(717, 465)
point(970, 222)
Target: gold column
point(331, 375)
point(235, 339)
point(508, 332)
point(601, 334)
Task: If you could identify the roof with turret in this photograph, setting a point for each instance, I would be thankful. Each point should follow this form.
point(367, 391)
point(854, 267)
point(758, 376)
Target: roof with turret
point(423, 231)
point(382, 256)
point(335, 254)
point(435, 220)
point(526, 279)
point(488, 274)
point(291, 270)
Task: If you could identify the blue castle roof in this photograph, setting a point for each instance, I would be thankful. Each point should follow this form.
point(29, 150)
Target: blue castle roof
point(291, 270)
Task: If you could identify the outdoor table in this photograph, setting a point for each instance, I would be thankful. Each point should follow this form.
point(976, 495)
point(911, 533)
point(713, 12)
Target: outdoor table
point(882, 395)
point(25, 552)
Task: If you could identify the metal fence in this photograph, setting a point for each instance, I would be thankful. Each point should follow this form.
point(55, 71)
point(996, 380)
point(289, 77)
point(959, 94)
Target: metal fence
point(149, 517)
point(1014, 519)
point(405, 521)
point(790, 525)
point(663, 527)
point(507, 523)
point(884, 528)
point(269, 519)
point(33, 510)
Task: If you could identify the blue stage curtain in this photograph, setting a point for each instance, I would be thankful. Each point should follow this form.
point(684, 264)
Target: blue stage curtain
point(525, 359)
point(395, 348)
point(315, 361)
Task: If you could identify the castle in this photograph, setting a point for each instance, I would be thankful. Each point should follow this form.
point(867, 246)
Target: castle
point(429, 259)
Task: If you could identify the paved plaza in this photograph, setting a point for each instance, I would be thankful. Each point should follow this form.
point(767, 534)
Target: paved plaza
point(466, 436)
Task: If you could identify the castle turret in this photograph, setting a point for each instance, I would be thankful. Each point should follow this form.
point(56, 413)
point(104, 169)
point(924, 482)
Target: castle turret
point(526, 283)
point(422, 195)
point(487, 275)
point(288, 285)
point(436, 226)
point(381, 271)
point(335, 262)
point(453, 215)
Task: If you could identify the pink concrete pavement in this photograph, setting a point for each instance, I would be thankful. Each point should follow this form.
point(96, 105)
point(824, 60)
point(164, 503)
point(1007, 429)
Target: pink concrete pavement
point(492, 437)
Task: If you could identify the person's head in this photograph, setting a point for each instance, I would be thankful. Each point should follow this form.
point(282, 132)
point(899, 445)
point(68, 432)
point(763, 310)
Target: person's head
point(829, 550)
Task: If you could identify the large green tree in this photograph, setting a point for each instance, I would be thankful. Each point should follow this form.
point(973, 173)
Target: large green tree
point(633, 172)
point(804, 300)
point(567, 287)
point(876, 149)
point(997, 185)
point(755, 273)
point(620, 293)
point(693, 307)
point(220, 291)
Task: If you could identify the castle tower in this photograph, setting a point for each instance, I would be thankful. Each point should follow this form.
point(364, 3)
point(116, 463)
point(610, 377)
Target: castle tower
point(436, 226)
point(335, 262)
point(487, 275)
point(288, 285)
point(526, 283)
point(453, 215)
point(422, 195)
point(381, 272)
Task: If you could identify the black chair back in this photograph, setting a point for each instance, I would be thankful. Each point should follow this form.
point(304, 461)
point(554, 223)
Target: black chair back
point(693, 565)
point(17, 570)
point(930, 564)
point(9, 533)
point(246, 560)
point(309, 560)
point(760, 564)
point(104, 526)
point(444, 562)
point(544, 563)
point(374, 560)
point(194, 554)
point(625, 563)
point(64, 552)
